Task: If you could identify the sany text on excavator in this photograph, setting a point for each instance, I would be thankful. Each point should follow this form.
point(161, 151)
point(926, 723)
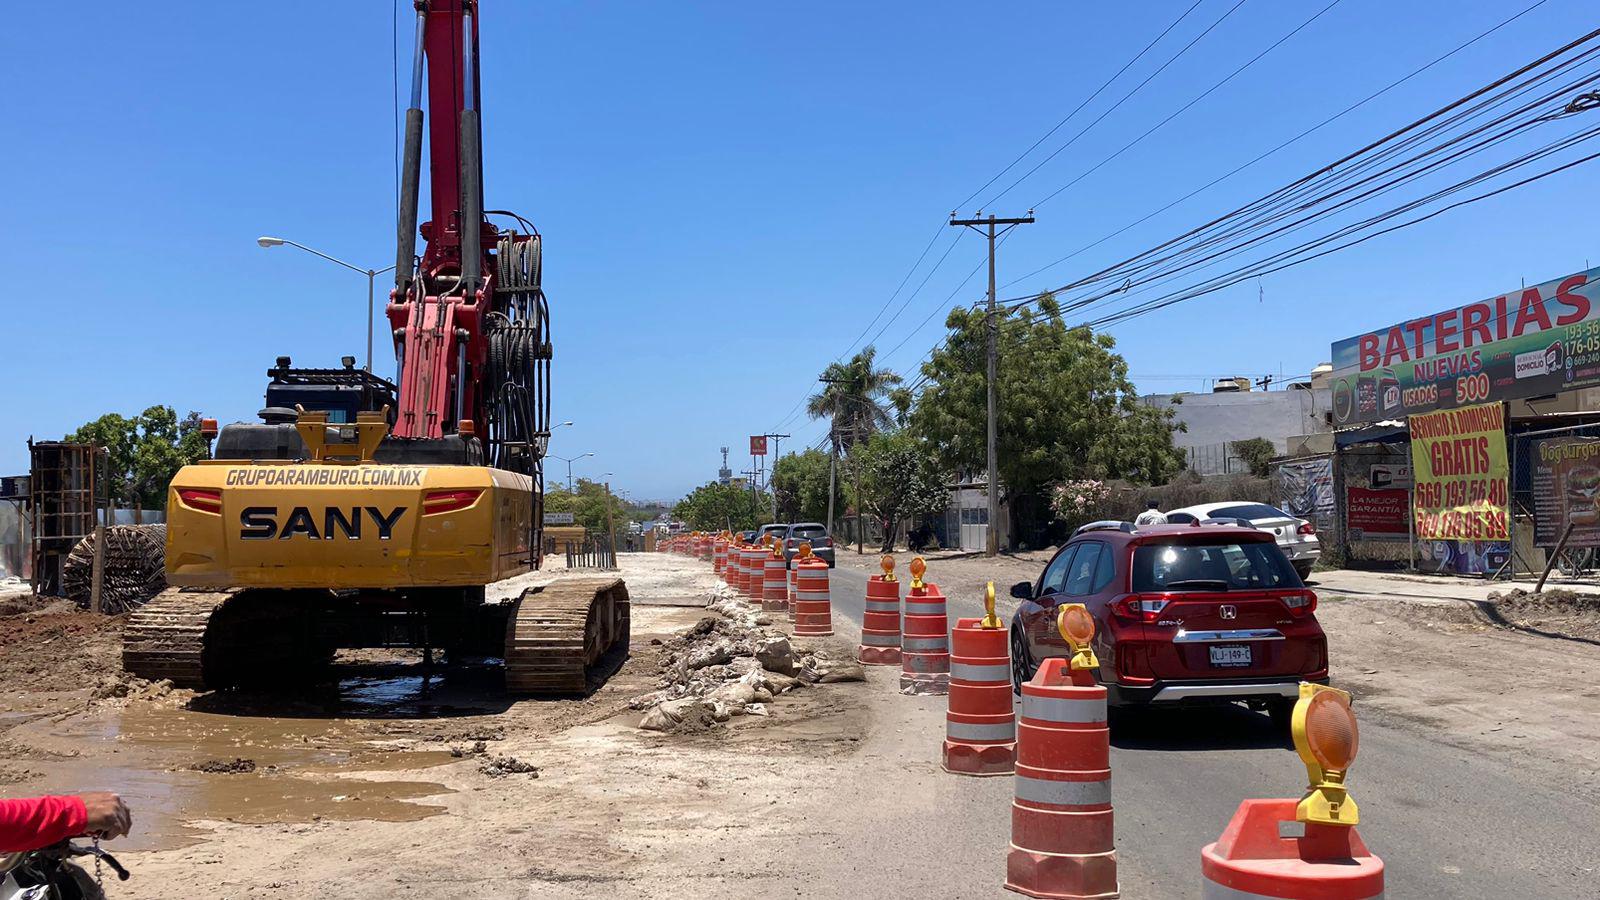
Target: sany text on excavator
point(363, 512)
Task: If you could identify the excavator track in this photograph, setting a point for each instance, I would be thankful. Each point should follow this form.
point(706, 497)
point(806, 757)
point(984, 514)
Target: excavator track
point(209, 640)
point(166, 637)
point(556, 633)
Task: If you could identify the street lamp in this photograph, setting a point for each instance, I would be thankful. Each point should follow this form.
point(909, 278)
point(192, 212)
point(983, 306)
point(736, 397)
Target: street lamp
point(569, 463)
point(372, 276)
point(543, 440)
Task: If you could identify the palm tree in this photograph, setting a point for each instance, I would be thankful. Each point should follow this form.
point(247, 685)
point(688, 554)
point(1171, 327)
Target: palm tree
point(854, 397)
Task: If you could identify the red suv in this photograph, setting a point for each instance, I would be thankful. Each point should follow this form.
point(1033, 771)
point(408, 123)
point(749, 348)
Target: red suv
point(1184, 614)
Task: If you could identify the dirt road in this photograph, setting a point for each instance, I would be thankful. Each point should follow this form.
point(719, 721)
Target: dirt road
point(1476, 775)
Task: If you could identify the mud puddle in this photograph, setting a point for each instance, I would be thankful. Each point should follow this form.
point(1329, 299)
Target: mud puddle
point(254, 759)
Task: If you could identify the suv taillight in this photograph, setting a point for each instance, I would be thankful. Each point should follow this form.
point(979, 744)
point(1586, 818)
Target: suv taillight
point(1141, 607)
point(1300, 603)
point(1307, 528)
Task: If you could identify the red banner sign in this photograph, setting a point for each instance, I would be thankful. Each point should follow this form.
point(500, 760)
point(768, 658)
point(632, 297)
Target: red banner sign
point(1376, 514)
point(758, 445)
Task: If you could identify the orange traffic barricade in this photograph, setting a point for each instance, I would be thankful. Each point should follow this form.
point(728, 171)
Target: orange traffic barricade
point(880, 619)
point(1258, 854)
point(775, 582)
point(813, 607)
point(1061, 830)
point(980, 729)
point(924, 638)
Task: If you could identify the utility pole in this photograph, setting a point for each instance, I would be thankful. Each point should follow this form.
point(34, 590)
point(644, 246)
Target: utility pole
point(775, 439)
point(991, 543)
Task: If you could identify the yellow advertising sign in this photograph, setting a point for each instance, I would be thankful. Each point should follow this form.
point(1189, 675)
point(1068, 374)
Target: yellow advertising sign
point(1458, 458)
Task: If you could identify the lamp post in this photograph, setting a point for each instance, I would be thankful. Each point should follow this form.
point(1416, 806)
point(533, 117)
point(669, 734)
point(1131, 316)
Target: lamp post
point(611, 527)
point(543, 440)
point(569, 463)
point(372, 276)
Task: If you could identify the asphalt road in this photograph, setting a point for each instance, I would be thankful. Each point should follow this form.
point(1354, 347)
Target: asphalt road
point(1448, 823)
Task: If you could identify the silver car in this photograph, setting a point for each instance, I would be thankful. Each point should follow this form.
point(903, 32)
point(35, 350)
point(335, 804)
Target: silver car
point(1296, 537)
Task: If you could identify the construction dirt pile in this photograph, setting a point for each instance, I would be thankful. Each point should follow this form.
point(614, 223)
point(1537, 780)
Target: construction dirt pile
point(54, 646)
point(731, 664)
point(1556, 612)
point(133, 570)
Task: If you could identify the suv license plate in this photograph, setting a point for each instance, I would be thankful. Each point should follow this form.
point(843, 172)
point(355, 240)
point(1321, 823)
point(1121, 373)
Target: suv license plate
point(1230, 655)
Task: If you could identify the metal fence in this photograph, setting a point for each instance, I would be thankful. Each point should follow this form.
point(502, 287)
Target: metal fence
point(593, 552)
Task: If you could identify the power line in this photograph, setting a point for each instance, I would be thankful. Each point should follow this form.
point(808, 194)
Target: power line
point(1317, 127)
point(1266, 201)
point(1180, 110)
point(1086, 101)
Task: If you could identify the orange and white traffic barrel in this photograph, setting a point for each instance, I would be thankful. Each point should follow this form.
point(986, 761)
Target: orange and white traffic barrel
point(735, 564)
point(741, 569)
point(980, 726)
point(1252, 859)
point(813, 607)
point(754, 567)
point(1061, 833)
point(719, 556)
point(880, 619)
point(1328, 860)
point(924, 637)
point(775, 583)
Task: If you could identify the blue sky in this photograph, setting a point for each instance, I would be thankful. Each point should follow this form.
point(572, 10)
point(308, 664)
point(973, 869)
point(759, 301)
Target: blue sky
point(728, 192)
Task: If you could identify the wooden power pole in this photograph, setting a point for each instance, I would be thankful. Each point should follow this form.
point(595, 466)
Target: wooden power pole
point(991, 225)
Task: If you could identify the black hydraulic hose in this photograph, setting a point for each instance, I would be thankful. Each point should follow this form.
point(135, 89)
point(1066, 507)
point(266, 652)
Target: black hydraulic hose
point(411, 169)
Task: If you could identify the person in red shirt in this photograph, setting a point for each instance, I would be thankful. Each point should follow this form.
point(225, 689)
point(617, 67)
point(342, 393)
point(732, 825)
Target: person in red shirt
point(35, 822)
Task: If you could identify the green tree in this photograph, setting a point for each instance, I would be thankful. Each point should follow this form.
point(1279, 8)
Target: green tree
point(144, 452)
point(715, 506)
point(900, 479)
point(855, 398)
point(588, 505)
point(1066, 409)
point(1257, 454)
point(800, 484)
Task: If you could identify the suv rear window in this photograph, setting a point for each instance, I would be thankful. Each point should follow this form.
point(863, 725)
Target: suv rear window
point(808, 532)
point(1230, 566)
point(1249, 511)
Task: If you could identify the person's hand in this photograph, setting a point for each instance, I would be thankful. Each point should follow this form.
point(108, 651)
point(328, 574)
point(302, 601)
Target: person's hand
point(108, 815)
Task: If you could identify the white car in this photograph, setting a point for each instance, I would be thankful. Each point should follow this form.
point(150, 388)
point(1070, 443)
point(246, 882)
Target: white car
point(1296, 537)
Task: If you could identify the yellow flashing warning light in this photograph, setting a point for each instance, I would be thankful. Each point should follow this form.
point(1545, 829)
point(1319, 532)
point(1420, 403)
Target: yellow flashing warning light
point(777, 548)
point(1077, 626)
point(1327, 739)
point(918, 569)
point(886, 563)
point(805, 550)
point(990, 620)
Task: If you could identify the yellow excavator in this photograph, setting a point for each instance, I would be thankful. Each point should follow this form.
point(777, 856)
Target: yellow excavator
point(367, 513)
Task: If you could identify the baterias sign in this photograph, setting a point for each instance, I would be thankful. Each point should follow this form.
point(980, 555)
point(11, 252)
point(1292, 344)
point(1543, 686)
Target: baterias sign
point(1527, 343)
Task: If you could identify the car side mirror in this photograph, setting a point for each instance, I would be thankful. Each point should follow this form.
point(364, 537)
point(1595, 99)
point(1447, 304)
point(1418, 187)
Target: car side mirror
point(1022, 590)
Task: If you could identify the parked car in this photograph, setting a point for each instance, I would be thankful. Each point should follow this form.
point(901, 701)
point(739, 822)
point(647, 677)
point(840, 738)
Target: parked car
point(747, 537)
point(776, 529)
point(814, 532)
point(1296, 536)
point(1183, 614)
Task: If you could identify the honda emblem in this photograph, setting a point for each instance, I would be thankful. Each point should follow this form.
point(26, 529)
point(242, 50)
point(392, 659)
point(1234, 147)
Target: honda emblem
point(1228, 611)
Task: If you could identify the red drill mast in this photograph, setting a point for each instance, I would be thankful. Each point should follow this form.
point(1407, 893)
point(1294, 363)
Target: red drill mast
point(470, 321)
